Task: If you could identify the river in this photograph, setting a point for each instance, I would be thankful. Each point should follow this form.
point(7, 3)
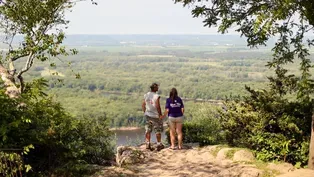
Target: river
point(133, 137)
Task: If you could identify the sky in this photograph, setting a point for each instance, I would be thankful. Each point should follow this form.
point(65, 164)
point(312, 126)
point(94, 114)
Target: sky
point(134, 17)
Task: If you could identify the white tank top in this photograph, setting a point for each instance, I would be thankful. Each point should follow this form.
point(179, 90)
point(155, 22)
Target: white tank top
point(150, 103)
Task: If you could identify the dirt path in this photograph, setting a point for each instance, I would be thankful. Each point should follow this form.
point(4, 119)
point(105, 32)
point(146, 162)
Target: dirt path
point(299, 173)
point(196, 162)
point(184, 163)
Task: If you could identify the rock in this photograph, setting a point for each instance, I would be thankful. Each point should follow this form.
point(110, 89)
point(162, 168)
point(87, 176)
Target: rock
point(113, 171)
point(225, 163)
point(222, 154)
point(299, 173)
point(243, 156)
point(240, 171)
point(281, 167)
point(227, 173)
point(129, 155)
point(211, 148)
point(250, 172)
point(153, 147)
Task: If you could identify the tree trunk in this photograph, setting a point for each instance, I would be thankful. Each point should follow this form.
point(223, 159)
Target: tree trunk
point(9, 82)
point(311, 154)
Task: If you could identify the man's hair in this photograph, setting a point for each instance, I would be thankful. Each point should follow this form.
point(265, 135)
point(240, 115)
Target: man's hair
point(153, 86)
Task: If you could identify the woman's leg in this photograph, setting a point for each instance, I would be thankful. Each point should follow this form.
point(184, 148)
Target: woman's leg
point(172, 132)
point(179, 132)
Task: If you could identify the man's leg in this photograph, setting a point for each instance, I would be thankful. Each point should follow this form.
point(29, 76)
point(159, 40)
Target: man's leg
point(158, 137)
point(158, 126)
point(148, 130)
point(147, 136)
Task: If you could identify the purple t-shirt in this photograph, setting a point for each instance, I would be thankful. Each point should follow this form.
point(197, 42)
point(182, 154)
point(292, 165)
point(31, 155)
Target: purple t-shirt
point(175, 107)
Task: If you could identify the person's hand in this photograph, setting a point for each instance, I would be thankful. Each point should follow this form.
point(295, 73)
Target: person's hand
point(161, 117)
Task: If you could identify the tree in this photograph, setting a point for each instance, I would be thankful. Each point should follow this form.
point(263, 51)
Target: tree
point(33, 30)
point(259, 20)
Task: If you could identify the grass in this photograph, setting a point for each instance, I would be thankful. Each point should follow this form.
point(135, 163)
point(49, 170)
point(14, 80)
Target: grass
point(217, 149)
point(266, 172)
point(261, 165)
point(231, 152)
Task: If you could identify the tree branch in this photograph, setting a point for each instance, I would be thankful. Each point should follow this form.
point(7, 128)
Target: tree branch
point(28, 64)
point(20, 56)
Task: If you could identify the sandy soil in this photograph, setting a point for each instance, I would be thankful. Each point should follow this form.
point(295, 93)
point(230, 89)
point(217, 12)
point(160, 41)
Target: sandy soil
point(198, 162)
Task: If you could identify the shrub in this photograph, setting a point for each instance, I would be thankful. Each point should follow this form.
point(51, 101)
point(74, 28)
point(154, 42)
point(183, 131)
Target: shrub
point(61, 142)
point(279, 130)
point(202, 126)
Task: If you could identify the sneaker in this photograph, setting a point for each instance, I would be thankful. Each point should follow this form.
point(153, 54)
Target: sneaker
point(160, 146)
point(147, 145)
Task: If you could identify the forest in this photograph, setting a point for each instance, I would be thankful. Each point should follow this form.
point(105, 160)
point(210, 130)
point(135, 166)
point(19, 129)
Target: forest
point(113, 83)
point(113, 79)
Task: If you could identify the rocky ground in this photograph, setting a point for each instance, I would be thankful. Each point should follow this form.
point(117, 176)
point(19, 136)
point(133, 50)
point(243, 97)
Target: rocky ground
point(210, 161)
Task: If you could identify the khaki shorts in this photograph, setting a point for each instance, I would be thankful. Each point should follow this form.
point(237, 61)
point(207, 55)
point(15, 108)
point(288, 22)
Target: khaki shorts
point(173, 120)
point(153, 123)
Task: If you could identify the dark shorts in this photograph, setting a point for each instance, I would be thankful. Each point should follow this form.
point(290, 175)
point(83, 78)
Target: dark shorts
point(153, 123)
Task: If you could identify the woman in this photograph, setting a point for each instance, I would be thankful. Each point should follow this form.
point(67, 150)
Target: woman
point(175, 111)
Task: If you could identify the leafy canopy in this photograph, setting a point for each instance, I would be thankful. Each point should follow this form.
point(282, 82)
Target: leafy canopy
point(33, 29)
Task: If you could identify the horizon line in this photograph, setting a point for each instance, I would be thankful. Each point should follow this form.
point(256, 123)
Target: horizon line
point(152, 34)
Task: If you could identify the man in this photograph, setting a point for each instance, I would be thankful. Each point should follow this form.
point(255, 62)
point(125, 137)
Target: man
point(152, 115)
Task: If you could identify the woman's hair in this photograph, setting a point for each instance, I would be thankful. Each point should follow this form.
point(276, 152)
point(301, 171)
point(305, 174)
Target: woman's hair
point(173, 94)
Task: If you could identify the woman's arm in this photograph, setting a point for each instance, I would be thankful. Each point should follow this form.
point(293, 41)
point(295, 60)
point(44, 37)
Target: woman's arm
point(182, 106)
point(166, 109)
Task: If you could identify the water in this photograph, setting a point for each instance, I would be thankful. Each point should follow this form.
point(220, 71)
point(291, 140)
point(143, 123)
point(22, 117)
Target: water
point(134, 137)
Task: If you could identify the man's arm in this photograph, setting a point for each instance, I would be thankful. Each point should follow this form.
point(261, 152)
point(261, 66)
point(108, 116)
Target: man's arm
point(144, 106)
point(158, 106)
point(165, 113)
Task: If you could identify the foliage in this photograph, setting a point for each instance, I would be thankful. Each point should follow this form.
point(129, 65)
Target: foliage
point(60, 141)
point(201, 126)
point(12, 164)
point(280, 137)
point(38, 33)
point(238, 122)
point(195, 133)
point(97, 140)
point(256, 20)
point(276, 126)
